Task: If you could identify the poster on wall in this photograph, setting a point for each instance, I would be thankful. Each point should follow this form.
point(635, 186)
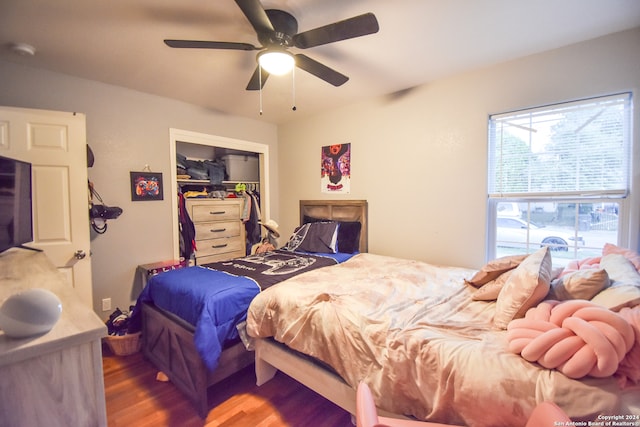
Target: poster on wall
point(335, 175)
point(146, 186)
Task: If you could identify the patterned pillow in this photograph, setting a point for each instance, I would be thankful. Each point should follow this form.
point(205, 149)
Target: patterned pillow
point(314, 237)
point(348, 233)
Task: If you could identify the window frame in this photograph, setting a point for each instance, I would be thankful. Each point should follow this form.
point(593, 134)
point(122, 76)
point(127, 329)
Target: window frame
point(623, 198)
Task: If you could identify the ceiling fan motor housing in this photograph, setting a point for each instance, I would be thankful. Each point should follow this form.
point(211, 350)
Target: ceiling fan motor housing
point(285, 27)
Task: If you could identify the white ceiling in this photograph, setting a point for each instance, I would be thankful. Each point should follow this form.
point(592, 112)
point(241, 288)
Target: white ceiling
point(120, 42)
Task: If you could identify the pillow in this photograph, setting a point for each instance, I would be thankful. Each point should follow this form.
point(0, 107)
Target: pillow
point(490, 291)
point(314, 237)
point(495, 268)
point(632, 256)
point(581, 284)
point(629, 370)
point(624, 290)
point(349, 236)
point(348, 233)
point(582, 264)
point(525, 288)
point(307, 219)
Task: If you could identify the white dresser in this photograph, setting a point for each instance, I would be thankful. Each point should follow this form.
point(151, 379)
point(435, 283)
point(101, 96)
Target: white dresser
point(54, 379)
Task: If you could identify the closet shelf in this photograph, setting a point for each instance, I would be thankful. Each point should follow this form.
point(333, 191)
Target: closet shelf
point(206, 181)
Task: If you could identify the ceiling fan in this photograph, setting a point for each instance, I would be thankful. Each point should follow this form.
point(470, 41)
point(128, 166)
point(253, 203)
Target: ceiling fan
point(277, 31)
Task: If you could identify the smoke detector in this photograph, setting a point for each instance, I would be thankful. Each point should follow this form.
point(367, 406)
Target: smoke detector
point(23, 49)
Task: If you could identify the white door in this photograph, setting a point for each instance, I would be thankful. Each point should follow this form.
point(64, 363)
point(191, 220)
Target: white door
point(55, 144)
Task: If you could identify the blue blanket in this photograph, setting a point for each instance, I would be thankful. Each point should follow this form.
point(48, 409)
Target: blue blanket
point(214, 302)
point(215, 298)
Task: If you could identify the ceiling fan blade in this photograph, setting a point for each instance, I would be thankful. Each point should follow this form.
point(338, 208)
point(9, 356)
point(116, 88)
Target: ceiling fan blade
point(256, 15)
point(209, 45)
point(254, 82)
point(357, 26)
point(320, 70)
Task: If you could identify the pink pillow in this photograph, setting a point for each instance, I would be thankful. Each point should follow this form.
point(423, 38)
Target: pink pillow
point(583, 264)
point(632, 256)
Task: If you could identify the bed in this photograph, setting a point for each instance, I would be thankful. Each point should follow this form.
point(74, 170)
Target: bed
point(196, 343)
point(429, 350)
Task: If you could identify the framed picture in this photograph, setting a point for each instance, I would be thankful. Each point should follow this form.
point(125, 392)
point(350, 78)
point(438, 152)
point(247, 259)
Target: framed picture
point(146, 186)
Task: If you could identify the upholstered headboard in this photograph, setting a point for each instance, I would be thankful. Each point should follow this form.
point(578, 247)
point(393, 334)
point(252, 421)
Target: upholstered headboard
point(338, 210)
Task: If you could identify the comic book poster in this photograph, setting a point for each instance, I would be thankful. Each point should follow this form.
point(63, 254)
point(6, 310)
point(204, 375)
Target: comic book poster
point(335, 175)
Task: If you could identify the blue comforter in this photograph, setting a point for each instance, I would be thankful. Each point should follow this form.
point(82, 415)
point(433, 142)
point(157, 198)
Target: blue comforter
point(214, 302)
point(215, 298)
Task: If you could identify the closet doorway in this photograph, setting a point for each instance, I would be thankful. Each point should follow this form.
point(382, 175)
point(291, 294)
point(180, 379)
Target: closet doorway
point(178, 138)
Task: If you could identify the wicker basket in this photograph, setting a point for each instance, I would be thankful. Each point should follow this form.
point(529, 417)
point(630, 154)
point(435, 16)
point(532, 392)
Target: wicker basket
point(124, 345)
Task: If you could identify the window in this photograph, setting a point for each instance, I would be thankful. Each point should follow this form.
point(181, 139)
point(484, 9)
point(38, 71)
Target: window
point(559, 176)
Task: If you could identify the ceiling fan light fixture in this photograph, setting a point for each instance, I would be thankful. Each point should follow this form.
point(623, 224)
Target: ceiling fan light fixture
point(277, 62)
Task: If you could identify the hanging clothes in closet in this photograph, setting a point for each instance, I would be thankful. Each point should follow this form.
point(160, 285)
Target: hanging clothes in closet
point(252, 226)
point(187, 230)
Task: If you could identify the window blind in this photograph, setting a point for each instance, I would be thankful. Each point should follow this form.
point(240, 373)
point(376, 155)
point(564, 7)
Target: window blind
point(574, 149)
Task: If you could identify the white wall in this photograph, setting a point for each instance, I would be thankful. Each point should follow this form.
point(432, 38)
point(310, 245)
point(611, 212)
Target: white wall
point(126, 131)
point(419, 157)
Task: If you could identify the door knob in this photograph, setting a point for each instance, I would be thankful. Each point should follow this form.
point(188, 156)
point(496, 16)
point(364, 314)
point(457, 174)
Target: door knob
point(80, 254)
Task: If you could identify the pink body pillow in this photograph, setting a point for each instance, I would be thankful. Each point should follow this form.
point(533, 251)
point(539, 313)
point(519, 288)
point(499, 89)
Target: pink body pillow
point(576, 337)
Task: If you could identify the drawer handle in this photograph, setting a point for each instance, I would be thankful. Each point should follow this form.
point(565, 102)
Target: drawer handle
point(218, 213)
point(218, 230)
point(219, 246)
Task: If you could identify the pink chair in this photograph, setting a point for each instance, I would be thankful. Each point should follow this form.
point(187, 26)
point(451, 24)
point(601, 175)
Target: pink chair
point(545, 414)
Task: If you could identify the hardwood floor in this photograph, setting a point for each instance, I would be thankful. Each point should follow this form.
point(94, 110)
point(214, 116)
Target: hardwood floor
point(136, 399)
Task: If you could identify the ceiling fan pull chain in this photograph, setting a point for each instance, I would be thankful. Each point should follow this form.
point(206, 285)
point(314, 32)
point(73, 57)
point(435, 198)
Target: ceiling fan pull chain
point(293, 84)
point(260, 85)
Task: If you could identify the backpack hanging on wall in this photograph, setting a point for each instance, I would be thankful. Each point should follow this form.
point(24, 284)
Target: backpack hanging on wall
point(100, 211)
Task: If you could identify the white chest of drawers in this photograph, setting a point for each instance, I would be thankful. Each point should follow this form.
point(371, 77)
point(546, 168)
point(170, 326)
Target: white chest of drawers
point(56, 378)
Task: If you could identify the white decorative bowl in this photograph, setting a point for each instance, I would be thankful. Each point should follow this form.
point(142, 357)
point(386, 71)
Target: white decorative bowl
point(30, 312)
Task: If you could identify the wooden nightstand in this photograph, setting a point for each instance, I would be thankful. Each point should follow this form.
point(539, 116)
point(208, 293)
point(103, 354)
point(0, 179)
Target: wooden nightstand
point(146, 271)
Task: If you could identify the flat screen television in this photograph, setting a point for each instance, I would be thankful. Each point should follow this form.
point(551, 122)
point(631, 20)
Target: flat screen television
point(16, 223)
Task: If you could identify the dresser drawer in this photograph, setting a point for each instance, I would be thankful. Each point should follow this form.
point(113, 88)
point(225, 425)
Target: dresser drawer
point(216, 230)
point(219, 246)
point(202, 260)
point(215, 212)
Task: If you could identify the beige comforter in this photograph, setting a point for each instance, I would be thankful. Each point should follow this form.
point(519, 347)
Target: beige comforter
point(413, 333)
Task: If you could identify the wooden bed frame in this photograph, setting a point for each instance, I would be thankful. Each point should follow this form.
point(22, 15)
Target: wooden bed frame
point(167, 340)
point(272, 356)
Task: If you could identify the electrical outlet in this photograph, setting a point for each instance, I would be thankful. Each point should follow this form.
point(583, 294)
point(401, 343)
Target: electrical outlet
point(106, 304)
